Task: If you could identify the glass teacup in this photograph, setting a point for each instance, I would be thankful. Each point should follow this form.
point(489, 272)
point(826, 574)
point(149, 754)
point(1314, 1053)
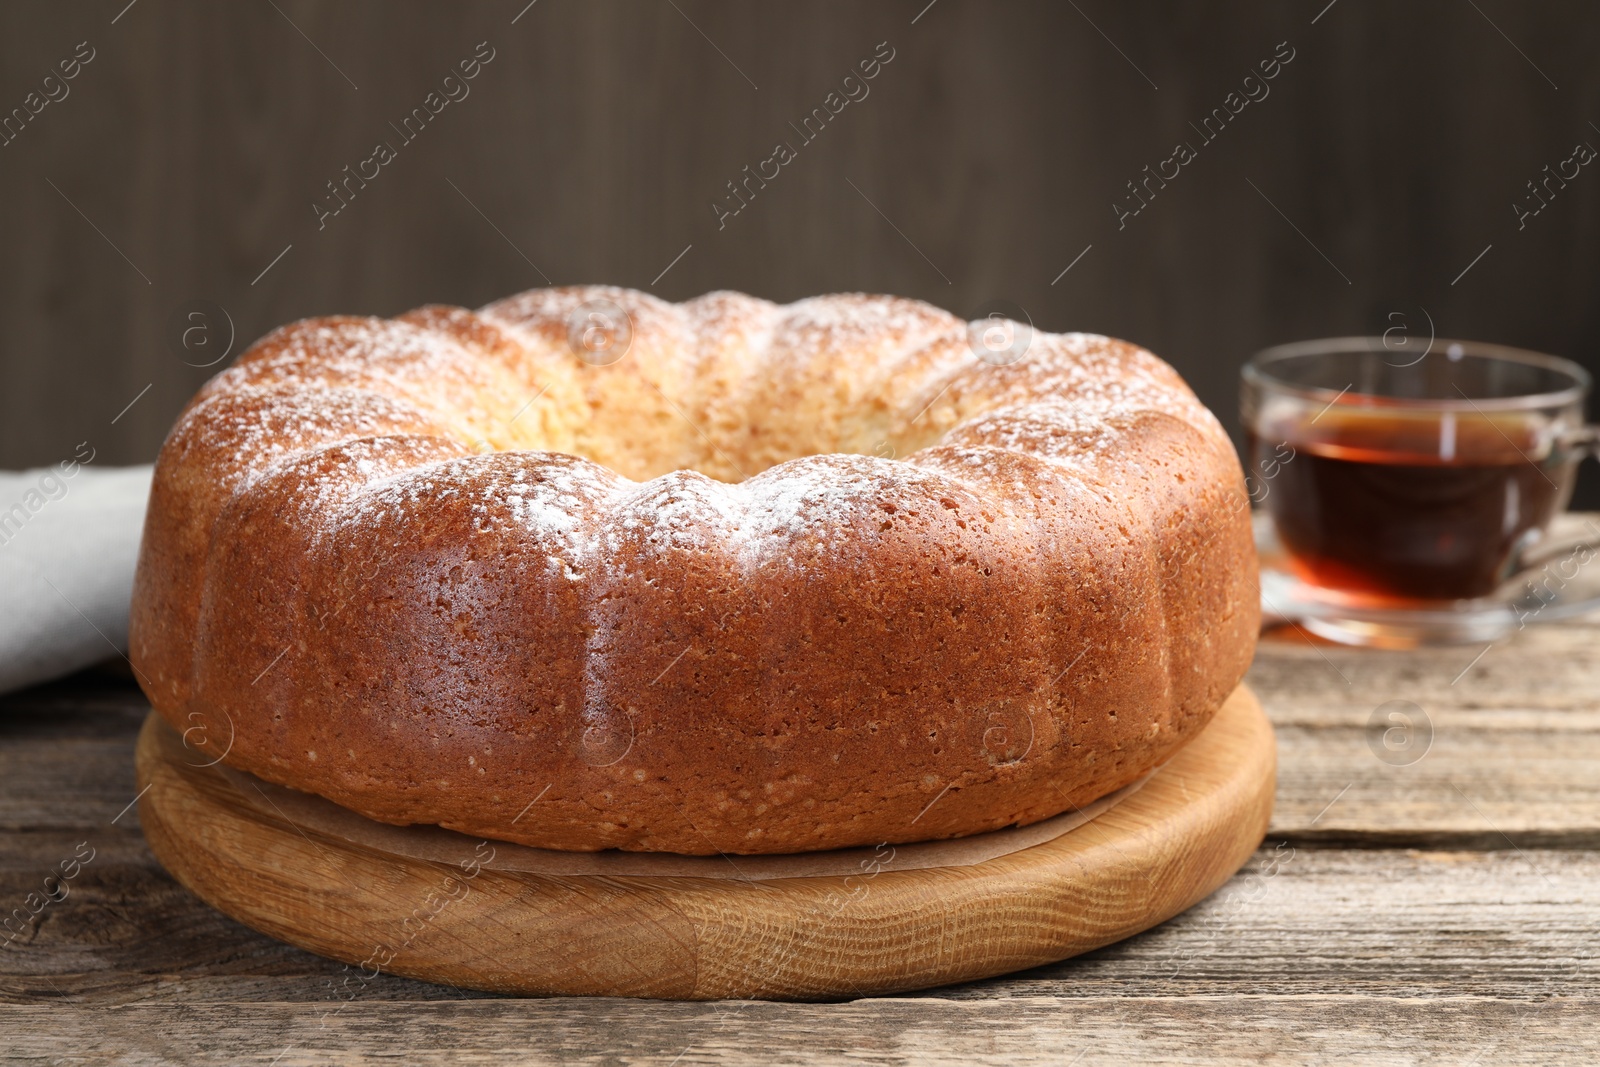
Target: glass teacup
point(1410, 498)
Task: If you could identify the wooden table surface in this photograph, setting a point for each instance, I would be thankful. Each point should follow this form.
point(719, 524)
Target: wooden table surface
point(1433, 901)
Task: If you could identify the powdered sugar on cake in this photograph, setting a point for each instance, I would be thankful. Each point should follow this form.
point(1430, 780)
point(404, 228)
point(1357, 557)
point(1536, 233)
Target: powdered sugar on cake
point(360, 381)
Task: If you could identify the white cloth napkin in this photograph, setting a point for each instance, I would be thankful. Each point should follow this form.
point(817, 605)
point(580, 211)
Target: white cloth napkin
point(69, 538)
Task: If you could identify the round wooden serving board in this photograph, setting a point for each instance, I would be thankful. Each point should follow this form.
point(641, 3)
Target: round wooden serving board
point(1164, 848)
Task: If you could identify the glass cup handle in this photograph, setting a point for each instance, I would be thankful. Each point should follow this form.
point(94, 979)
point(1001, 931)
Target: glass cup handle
point(1582, 441)
point(1575, 552)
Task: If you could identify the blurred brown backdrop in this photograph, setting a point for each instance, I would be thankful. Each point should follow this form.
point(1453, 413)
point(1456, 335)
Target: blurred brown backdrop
point(984, 159)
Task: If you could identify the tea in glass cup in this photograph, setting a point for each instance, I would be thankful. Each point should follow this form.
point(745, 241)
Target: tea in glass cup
point(1412, 483)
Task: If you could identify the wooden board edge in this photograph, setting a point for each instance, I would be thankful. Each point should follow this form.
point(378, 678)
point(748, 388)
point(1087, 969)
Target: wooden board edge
point(1164, 849)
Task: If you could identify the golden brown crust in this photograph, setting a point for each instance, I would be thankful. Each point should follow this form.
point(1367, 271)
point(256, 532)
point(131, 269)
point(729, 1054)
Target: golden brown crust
point(930, 596)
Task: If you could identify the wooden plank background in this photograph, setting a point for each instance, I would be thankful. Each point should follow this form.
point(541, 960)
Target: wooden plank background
point(985, 158)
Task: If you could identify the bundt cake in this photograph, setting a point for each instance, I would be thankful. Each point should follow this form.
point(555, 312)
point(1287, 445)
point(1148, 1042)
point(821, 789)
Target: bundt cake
point(585, 570)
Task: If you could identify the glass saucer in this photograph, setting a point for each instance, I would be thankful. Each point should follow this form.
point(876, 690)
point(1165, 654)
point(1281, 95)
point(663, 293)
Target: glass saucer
point(1564, 582)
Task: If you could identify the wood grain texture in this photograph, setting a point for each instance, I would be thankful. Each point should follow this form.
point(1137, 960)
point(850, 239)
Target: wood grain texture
point(1514, 760)
point(1159, 851)
point(1081, 1032)
point(1294, 922)
point(1410, 937)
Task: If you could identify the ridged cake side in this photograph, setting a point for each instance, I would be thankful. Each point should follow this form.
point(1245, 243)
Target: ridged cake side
point(781, 579)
